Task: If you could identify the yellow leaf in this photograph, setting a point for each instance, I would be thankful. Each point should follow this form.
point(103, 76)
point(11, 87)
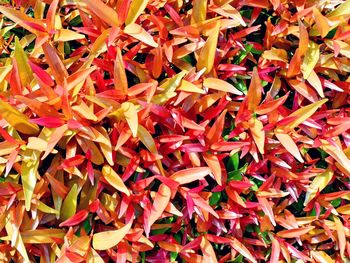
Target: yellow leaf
point(109, 239)
point(69, 205)
point(105, 145)
point(190, 87)
point(64, 35)
point(345, 209)
point(18, 120)
point(256, 128)
point(276, 54)
point(310, 60)
point(42, 236)
point(135, 10)
point(321, 257)
point(169, 86)
point(4, 71)
point(318, 184)
point(130, 114)
point(289, 145)
point(341, 10)
point(147, 140)
point(139, 33)
point(315, 82)
point(199, 11)
point(114, 179)
point(304, 113)
point(46, 209)
point(337, 154)
point(207, 54)
point(19, 245)
point(25, 72)
point(84, 111)
point(29, 169)
point(221, 85)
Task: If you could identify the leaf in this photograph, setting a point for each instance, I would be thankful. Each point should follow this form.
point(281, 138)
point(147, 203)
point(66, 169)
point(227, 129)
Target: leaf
point(293, 233)
point(42, 236)
point(256, 128)
point(275, 54)
point(189, 87)
point(207, 54)
point(214, 165)
point(56, 65)
point(65, 35)
point(55, 136)
point(135, 10)
point(336, 153)
point(345, 209)
point(275, 251)
point(271, 106)
point(240, 248)
point(76, 219)
point(221, 85)
point(4, 71)
point(161, 201)
point(69, 205)
point(114, 179)
point(289, 144)
point(208, 251)
point(25, 72)
point(310, 60)
point(343, 9)
point(131, 117)
point(341, 236)
point(139, 33)
point(189, 175)
point(303, 113)
point(254, 91)
point(17, 119)
point(267, 209)
point(318, 184)
point(32, 25)
point(199, 11)
point(315, 82)
point(321, 22)
point(120, 80)
point(321, 257)
point(103, 11)
point(108, 239)
point(29, 172)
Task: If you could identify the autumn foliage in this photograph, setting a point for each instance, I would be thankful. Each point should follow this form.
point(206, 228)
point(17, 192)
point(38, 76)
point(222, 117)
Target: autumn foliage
point(163, 131)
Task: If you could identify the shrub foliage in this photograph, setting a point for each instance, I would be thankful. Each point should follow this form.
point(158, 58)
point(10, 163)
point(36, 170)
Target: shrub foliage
point(190, 131)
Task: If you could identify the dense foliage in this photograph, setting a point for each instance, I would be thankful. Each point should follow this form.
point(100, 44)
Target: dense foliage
point(190, 131)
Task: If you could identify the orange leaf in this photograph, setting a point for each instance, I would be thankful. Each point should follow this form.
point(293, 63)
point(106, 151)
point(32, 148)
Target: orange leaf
point(189, 175)
point(103, 11)
point(254, 91)
point(293, 233)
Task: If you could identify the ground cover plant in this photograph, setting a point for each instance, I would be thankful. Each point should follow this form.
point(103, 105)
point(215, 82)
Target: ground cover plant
point(164, 131)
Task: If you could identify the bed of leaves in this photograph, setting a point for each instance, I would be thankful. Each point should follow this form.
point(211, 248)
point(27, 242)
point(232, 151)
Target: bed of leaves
point(160, 131)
